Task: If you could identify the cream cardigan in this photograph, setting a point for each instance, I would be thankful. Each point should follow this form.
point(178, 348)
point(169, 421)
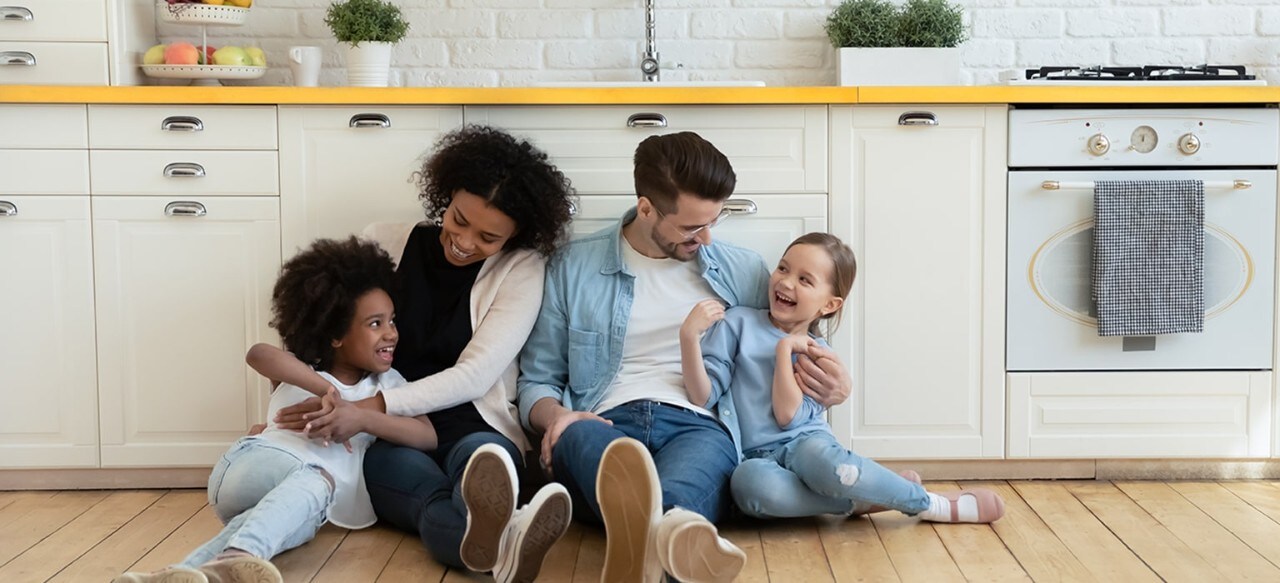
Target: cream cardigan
point(505, 300)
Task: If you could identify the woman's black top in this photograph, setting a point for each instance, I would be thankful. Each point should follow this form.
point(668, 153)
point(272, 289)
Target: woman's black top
point(433, 315)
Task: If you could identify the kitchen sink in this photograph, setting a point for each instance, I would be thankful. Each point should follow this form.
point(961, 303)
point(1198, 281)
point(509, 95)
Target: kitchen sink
point(650, 84)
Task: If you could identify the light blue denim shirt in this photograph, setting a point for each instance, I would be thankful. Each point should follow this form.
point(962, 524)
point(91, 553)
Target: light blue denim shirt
point(575, 349)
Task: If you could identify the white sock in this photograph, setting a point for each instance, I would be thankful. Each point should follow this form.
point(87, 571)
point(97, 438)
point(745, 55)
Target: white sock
point(940, 509)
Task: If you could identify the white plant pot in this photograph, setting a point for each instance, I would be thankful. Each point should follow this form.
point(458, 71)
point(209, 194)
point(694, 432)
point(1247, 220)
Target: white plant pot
point(898, 66)
point(368, 64)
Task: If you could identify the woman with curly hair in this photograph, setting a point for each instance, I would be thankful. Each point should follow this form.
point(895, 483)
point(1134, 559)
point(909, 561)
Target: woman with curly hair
point(274, 490)
point(469, 288)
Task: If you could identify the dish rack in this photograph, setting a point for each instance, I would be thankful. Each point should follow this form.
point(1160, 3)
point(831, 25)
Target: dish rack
point(204, 15)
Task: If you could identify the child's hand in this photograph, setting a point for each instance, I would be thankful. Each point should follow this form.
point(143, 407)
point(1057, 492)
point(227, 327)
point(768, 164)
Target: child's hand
point(701, 317)
point(339, 425)
point(796, 343)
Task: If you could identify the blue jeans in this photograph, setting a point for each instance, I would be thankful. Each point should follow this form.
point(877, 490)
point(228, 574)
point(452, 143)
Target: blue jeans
point(413, 492)
point(693, 454)
point(268, 498)
point(813, 474)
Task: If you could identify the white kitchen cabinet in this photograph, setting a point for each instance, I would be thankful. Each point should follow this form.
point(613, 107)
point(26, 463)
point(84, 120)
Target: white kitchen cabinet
point(342, 168)
point(918, 193)
point(48, 396)
point(773, 148)
point(182, 291)
point(74, 42)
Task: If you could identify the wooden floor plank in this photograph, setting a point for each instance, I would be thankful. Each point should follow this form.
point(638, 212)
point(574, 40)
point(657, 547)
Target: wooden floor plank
point(1100, 551)
point(1145, 536)
point(793, 551)
point(1222, 549)
point(917, 553)
point(854, 550)
point(1260, 495)
point(59, 549)
point(410, 562)
point(1251, 526)
point(589, 562)
point(976, 549)
point(118, 552)
point(465, 576)
point(361, 556)
point(746, 536)
point(39, 517)
point(197, 530)
point(301, 564)
point(558, 564)
point(1034, 545)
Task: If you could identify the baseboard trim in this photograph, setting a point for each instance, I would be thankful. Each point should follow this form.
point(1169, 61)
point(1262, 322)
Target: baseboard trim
point(104, 479)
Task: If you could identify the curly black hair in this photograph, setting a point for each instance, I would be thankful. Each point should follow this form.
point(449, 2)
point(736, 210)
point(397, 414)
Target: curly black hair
point(512, 175)
point(314, 298)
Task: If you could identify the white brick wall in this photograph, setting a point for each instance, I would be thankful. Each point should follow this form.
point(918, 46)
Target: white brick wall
point(521, 42)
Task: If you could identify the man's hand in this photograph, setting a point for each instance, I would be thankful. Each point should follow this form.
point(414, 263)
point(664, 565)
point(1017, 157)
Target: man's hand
point(343, 421)
point(296, 416)
point(557, 427)
point(822, 376)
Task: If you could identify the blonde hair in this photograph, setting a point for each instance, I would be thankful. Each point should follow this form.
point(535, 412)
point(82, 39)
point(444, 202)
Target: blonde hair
point(845, 268)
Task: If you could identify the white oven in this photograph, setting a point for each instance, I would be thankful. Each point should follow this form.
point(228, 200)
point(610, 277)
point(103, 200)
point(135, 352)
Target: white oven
point(1056, 155)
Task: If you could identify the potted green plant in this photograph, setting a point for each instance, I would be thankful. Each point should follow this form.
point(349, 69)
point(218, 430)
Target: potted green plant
point(879, 43)
point(369, 28)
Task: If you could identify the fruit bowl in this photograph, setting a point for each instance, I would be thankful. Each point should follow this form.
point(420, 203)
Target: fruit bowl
point(211, 14)
point(210, 72)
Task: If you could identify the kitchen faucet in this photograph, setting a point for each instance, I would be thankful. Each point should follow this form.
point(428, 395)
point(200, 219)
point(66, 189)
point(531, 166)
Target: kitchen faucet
point(649, 64)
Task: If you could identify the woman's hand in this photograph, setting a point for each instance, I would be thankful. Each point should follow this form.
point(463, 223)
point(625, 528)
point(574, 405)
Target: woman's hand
point(295, 417)
point(343, 421)
point(702, 316)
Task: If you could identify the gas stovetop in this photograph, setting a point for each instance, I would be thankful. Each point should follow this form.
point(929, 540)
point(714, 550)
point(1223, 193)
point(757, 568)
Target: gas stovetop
point(1169, 74)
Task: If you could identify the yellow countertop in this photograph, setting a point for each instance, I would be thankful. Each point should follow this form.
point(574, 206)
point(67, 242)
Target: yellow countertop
point(636, 95)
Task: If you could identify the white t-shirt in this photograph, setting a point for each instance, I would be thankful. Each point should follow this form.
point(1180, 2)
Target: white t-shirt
point(665, 291)
point(351, 507)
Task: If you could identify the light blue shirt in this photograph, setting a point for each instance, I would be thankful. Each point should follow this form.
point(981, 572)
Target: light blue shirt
point(575, 350)
point(739, 353)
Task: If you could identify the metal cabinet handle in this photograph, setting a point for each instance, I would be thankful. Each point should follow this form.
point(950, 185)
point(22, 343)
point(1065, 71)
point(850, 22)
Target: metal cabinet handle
point(182, 123)
point(184, 208)
point(918, 118)
point(16, 13)
point(369, 120)
point(17, 58)
point(741, 206)
point(647, 120)
point(8, 209)
point(183, 170)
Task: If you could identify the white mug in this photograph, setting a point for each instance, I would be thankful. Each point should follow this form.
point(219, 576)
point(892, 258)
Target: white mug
point(305, 64)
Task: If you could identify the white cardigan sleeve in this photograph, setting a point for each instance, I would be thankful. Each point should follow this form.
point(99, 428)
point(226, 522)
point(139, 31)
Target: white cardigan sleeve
point(500, 333)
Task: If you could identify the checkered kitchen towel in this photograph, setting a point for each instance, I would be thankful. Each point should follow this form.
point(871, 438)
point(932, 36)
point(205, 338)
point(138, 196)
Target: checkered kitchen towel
point(1148, 256)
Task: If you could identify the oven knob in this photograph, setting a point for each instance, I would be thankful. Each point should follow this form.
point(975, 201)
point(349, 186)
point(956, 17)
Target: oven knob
point(1098, 144)
point(1188, 144)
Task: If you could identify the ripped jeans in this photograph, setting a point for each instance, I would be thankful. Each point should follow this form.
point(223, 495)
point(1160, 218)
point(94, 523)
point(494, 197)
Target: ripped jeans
point(813, 474)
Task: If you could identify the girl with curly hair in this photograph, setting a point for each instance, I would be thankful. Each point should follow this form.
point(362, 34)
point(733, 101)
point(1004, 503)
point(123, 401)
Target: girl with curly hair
point(274, 490)
point(469, 289)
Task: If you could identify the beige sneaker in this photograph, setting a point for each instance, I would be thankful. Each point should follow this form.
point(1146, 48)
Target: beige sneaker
point(630, 499)
point(242, 569)
point(532, 532)
point(489, 490)
point(173, 574)
point(692, 550)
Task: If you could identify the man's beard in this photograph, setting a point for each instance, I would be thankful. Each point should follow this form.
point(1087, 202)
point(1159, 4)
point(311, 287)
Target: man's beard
point(670, 249)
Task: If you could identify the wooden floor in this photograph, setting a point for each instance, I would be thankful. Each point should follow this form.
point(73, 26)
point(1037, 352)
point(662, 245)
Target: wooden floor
point(1053, 531)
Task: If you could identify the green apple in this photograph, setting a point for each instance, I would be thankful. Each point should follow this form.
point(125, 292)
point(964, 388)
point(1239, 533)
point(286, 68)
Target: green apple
point(154, 56)
point(257, 58)
point(231, 56)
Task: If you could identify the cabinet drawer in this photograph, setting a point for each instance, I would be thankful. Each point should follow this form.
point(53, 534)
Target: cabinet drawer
point(772, 148)
point(53, 63)
point(184, 173)
point(43, 126)
point(188, 128)
point(54, 20)
point(44, 172)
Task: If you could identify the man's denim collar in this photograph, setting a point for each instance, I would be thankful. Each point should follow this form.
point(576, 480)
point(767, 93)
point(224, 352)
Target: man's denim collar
point(613, 259)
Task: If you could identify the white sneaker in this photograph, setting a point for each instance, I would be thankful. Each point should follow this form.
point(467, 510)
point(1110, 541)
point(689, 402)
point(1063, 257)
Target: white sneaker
point(532, 532)
point(630, 499)
point(174, 574)
point(692, 550)
point(489, 490)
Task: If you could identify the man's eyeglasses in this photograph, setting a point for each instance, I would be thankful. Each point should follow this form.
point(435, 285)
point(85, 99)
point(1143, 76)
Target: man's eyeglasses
point(691, 233)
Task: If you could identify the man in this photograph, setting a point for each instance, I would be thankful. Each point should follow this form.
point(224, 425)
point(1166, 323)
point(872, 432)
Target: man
point(601, 375)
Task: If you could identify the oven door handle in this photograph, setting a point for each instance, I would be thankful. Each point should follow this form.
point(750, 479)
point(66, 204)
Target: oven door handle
point(1209, 184)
